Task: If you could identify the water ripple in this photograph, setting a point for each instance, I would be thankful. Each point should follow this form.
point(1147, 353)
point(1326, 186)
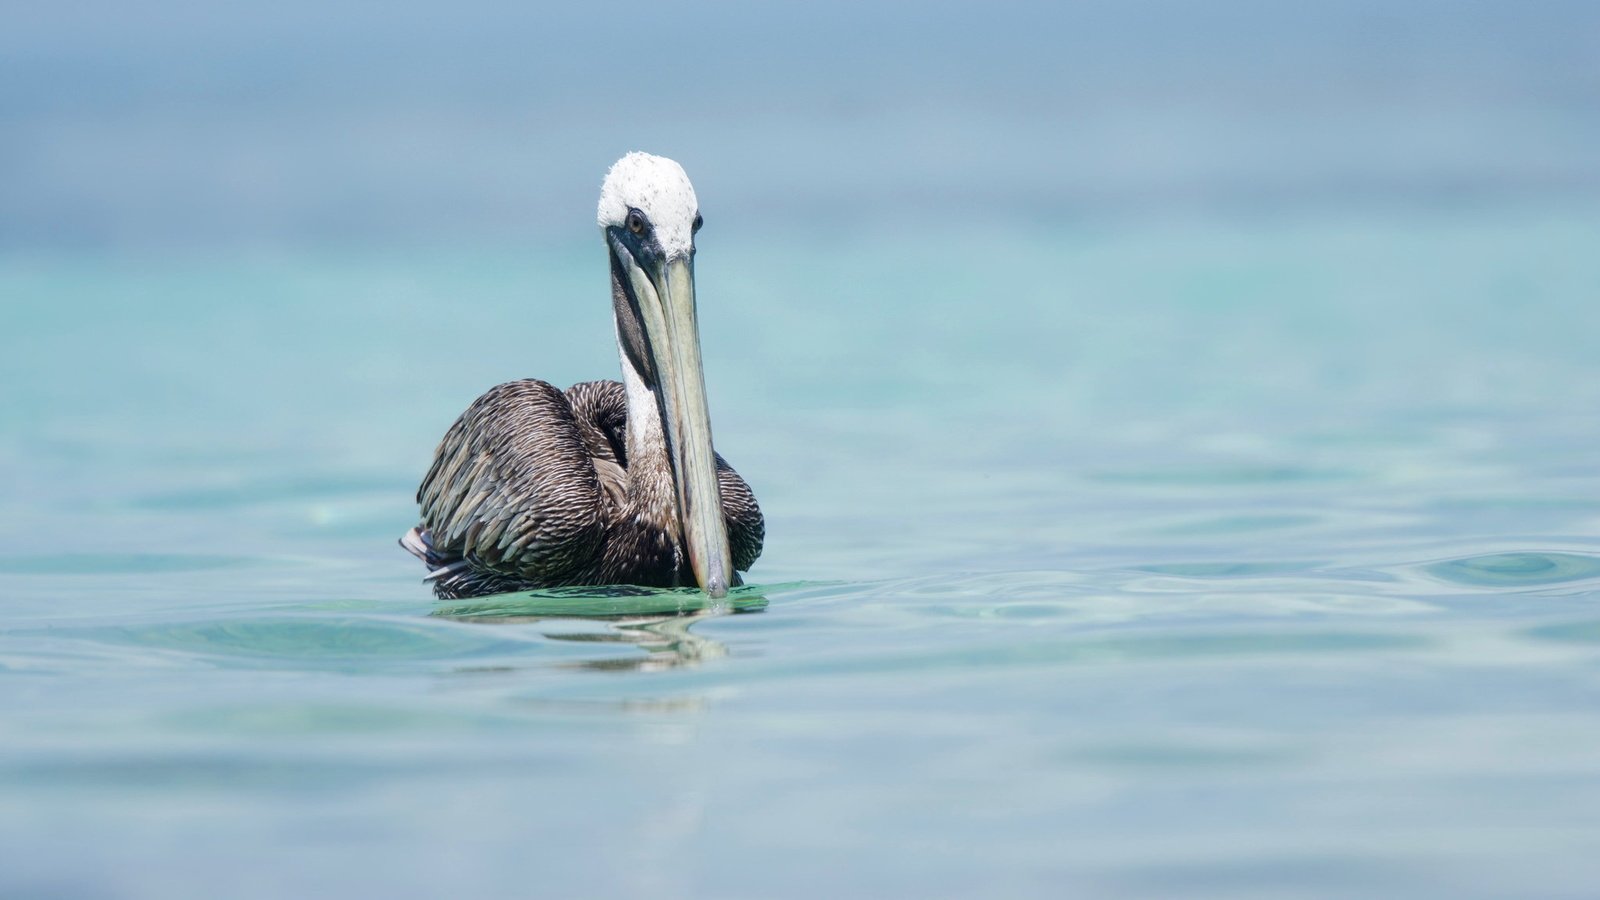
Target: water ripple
point(1237, 524)
point(1164, 648)
point(314, 639)
point(1526, 569)
point(1568, 633)
point(1230, 569)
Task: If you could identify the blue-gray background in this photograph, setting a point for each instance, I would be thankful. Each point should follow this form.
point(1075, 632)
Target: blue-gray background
point(1175, 425)
point(177, 123)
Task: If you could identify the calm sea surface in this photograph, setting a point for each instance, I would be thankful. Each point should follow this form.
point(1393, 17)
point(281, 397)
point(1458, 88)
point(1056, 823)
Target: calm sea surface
point(1225, 557)
point(1176, 425)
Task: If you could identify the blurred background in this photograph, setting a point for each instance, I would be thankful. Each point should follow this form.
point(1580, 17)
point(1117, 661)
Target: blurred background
point(175, 124)
point(1174, 423)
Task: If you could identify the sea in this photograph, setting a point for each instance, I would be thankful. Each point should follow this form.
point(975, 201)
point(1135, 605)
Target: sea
point(1176, 430)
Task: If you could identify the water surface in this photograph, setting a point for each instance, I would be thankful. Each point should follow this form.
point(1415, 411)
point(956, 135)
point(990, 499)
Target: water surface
point(1254, 557)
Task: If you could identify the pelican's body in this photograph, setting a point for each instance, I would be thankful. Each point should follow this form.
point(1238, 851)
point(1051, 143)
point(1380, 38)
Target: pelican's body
point(607, 482)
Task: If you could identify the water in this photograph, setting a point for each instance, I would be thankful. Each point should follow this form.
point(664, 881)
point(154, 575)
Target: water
point(1211, 559)
point(1176, 441)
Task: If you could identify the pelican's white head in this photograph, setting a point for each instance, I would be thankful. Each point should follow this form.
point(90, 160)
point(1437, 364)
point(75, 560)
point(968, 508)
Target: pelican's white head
point(659, 190)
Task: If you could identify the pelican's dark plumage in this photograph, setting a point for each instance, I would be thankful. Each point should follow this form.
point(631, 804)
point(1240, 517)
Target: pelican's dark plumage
point(607, 482)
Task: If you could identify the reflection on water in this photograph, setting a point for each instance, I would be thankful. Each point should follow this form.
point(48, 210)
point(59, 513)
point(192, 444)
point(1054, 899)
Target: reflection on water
point(624, 615)
point(598, 602)
point(667, 640)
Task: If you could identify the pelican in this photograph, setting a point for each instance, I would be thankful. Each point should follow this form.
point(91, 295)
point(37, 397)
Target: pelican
point(607, 482)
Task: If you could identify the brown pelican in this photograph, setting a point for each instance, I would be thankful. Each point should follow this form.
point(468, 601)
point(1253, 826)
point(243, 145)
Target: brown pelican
point(607, 482)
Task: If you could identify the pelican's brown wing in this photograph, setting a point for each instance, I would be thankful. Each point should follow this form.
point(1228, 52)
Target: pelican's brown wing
point(513, 487)
point(746, 528)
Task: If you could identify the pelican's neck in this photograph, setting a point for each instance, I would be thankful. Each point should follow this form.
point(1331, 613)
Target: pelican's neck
point(651, 490)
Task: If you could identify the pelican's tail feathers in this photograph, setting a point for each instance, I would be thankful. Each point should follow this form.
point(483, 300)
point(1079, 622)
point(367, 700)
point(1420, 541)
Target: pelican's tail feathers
point(418, 543)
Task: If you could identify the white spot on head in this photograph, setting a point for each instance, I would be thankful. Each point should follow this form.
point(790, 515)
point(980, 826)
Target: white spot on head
point(657, 187)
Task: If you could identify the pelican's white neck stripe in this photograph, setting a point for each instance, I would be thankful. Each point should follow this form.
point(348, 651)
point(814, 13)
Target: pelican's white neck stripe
point(657, 187)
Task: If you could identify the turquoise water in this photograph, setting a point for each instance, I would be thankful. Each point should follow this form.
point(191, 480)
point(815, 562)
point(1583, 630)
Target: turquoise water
point(1250, 555)
point(1175, 424)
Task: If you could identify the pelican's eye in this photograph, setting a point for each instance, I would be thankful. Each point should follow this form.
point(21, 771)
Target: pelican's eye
point(695, 228)
point(635, 221)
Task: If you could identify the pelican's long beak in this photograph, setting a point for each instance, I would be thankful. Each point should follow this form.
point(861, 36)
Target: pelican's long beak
point(665, 295)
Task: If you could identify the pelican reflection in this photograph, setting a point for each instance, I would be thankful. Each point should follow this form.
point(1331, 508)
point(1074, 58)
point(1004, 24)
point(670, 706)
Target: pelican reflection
point(657, 622)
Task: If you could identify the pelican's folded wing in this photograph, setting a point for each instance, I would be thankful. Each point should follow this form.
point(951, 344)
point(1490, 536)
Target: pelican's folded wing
point(513, 488)
point(746, 528)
